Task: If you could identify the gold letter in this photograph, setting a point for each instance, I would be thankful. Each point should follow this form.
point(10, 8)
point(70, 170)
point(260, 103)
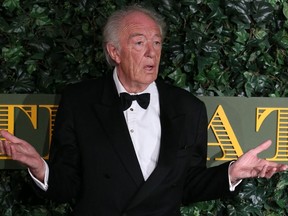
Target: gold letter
point(282, 130)
point(224, 135)
point(52, 114)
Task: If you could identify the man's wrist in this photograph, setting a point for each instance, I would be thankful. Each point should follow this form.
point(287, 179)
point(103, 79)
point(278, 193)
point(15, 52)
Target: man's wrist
point(233, 182)
point(42, 184)
point(39, 172)
point(233, 173)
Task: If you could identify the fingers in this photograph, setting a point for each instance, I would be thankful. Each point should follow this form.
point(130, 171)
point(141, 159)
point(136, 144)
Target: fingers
point(6, 145)
point(5, 148)
point(11, 145)
point(262, 147)
point(266, 172)
point(2, 149)
point(270, 169)
point(8, 136)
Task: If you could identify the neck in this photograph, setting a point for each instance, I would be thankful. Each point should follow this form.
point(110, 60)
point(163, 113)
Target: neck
point(134, 88)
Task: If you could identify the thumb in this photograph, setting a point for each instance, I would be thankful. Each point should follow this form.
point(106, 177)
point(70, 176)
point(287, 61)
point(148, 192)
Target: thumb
point(263, 146)
point(10, 137)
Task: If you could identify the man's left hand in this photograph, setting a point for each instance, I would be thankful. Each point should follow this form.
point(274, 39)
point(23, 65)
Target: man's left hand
point(250, 166)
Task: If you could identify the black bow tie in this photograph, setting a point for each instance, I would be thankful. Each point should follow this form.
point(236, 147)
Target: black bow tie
point(142, 99)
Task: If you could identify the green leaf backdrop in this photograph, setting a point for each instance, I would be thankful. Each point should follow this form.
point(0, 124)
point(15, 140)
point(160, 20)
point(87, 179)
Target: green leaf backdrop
point(212, 48)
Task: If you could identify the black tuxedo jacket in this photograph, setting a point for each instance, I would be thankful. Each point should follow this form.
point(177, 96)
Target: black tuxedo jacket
point(92, 159)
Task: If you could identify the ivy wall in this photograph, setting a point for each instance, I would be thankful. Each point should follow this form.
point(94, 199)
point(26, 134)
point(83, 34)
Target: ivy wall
point(213, 47)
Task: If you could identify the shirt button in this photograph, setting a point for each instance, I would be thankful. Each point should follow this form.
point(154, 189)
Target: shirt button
point(132, 131)
point(131, 109)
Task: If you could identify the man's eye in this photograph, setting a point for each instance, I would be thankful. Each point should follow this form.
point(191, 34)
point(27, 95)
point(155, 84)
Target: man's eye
point(139, 42)
point(158, 44)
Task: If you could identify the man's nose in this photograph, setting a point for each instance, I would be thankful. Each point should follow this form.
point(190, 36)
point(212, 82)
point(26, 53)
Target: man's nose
point(150, 50)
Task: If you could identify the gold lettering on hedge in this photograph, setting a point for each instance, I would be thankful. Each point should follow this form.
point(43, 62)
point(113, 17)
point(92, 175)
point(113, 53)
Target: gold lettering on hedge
point(225, 136)
point(52, 109)
point(282, 130)
point(7, 117)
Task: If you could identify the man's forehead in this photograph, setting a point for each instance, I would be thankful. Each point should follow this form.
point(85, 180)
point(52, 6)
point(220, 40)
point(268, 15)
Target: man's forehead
point(134, 29)
point(139, 19)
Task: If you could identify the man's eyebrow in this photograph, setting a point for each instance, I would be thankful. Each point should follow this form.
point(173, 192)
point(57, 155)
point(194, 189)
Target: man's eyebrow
point(140, 34)
point(136, 35)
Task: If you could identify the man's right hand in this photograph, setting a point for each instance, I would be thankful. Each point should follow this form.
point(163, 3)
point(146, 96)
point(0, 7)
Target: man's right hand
point(23, 152)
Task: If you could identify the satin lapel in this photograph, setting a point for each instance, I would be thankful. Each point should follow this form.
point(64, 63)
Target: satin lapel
point(171, 126)
point(113, 121)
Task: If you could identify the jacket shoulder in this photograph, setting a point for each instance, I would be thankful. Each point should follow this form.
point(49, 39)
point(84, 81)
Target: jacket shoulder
point(178, 95)
point(84, 87)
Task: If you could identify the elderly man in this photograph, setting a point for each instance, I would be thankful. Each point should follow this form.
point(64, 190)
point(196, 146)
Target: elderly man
point(129, 144)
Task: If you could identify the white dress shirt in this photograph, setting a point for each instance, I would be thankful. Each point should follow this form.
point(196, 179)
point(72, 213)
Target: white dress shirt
point(144, 127)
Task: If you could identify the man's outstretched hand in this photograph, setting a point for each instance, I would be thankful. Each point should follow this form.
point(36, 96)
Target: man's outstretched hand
point(250, 166)
point(23, 152)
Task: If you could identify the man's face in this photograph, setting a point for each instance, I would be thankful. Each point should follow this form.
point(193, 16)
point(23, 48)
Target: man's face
point(138, 59)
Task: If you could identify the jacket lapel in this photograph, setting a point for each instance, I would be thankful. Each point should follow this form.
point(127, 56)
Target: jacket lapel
point(112, 118)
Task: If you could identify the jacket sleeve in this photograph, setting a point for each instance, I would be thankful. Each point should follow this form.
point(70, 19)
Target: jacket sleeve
point(204, 183)
point(64, 158)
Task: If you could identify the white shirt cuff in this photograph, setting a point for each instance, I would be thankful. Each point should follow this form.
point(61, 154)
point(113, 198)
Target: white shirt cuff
point(233, 186)
point(42, 185)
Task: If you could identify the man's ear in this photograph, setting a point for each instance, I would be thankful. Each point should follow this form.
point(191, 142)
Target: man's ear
point(113, 52)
